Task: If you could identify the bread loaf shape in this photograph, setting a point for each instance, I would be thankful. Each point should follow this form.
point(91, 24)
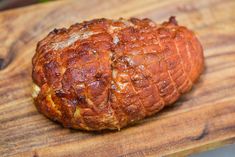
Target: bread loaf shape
point(106, 74)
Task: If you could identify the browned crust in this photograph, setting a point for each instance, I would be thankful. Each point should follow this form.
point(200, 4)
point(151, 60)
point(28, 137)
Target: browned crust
point(105, 74)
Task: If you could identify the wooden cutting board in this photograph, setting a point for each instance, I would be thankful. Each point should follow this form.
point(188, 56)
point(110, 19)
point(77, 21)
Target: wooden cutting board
point(200, 120)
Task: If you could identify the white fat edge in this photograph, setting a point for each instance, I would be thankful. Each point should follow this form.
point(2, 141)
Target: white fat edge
point(115, 40)
point(72, 39)
point(114, 73)
point(80, 85)
point(110, 54)
point(121, 85)
point(141, 67)
point(36, 90)
point(130, 61)
point(124, 75)
point(112, 29)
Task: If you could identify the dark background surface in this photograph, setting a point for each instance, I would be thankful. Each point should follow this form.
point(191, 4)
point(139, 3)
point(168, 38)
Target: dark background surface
point(10, 4)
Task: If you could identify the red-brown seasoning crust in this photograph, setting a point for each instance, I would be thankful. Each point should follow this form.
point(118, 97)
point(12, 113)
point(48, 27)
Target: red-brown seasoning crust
point(105, 74)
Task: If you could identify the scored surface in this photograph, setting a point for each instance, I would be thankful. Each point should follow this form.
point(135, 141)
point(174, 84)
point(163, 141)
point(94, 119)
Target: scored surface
point(105, 74)
point(200, 120)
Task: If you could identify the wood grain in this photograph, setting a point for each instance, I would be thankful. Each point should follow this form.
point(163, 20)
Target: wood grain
point(201, 120)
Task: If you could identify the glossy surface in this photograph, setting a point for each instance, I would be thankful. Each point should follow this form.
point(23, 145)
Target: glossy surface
point(200, 120)
point(105, 74)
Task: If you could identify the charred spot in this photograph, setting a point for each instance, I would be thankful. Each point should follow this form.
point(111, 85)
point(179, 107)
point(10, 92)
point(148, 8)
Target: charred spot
point(74, 101)
point(135, 20)
point(60, 93)
point(76, 25)
point(81, 99)
point(173, 20)
point(98, 75)
point(55, 31)
point(58, 31)
point(147, 20)
point(88, 24)
point(100, 20)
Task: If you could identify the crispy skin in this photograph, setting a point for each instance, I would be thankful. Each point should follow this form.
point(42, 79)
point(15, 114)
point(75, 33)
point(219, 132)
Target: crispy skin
point(105, 74)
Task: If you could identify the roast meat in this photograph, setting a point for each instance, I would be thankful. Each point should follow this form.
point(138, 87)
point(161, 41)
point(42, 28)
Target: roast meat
point(106, 74)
